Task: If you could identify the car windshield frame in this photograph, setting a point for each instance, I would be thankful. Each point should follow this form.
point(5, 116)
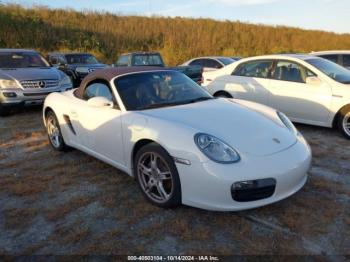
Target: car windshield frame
point(37, 60)
point(330, 69)
point(157, 83)
point(69, 57)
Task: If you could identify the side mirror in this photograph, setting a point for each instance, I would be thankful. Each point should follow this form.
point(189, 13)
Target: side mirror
point(100, 101)
point(313, 80)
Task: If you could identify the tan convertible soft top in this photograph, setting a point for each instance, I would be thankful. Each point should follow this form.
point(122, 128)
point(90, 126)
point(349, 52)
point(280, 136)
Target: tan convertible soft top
point(108, 74)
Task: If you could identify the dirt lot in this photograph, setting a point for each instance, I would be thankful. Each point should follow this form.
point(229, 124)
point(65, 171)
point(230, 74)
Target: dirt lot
point(54, 203)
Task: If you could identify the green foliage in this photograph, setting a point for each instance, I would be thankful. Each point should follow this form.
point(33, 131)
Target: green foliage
point(108, 35)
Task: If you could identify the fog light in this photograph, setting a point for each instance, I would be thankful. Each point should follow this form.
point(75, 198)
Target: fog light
point(253, 190)
point(9, 94)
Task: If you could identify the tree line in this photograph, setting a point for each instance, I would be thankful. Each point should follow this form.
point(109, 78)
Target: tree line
point(107, 35)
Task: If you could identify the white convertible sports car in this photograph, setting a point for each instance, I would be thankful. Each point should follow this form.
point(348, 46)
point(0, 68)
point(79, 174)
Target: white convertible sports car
point(182, 145)
point(308, 89)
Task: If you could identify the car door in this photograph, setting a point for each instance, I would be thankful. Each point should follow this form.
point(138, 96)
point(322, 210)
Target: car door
point(100, 128)
point(301, 101)
point(250, 81)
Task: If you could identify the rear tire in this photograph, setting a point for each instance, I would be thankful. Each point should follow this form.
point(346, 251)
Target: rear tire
point(157, 176)
point(343, 122)
point(223, 94)
point(54, 132)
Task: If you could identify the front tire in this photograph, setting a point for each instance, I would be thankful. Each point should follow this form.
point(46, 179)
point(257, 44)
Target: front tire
point(54, 132)
point(157, 176)
point(344, 122)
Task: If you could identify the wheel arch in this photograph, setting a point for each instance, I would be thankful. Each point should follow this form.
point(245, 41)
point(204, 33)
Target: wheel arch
point(337, 115)
point(223, 92)
point(141, 143)
point(46, 111)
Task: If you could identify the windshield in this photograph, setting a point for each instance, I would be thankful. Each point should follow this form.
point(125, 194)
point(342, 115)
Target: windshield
point(22, 60)
point(158, 89)
point(333, 70)
point(226, 60)
point(148, 60)
point(81, 59)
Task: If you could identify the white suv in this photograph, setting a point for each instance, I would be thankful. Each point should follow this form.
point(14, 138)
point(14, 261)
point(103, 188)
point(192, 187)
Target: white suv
point(26, 78)
point(308, 89)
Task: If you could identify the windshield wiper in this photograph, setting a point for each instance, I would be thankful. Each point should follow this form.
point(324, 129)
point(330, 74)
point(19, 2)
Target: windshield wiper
point(162, 105)
point(178, 103)
point(204, 98)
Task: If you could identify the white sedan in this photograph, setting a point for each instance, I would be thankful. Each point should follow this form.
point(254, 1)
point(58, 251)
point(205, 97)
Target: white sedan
point(182, 145)
point(210, 63)
point(308, 89)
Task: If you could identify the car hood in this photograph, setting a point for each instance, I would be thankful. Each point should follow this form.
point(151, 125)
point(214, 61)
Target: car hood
point(250, 130)
point(30, 73)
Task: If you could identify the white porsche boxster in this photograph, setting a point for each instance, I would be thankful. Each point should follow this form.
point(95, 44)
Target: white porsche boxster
point(182, 145)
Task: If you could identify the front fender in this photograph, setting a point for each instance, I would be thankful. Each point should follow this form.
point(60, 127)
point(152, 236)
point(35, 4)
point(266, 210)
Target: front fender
point(176, 139)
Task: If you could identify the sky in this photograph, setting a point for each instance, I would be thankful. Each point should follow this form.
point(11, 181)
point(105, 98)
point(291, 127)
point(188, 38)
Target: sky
point(328, 15)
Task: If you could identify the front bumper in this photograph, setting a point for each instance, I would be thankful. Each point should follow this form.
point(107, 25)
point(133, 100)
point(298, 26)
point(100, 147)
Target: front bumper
point(18, 96)
point(209, 185)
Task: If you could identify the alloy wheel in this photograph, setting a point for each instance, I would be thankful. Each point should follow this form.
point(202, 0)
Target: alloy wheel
point(53, 131)
point(155, 177)
point(346, 123)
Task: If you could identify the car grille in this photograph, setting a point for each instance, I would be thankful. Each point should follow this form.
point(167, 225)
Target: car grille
point(48, 83)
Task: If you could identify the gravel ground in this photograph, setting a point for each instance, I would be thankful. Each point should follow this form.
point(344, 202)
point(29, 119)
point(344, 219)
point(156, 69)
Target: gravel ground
point(70, 203)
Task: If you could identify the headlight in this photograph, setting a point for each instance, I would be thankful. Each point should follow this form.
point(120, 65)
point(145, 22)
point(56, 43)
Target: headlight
point(66, 82)
point(285, 120)
point(215, 149)
point(82, 70)
point(9, 84)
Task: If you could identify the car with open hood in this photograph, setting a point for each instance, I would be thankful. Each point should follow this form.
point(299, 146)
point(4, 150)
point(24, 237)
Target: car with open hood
point(182, 145)
point(26, 78)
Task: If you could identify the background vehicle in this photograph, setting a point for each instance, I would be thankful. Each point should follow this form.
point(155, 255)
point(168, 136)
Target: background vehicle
point(154, 124)
point(155, 59)
point(75, 65)
point(210, 63)
point(340, 57)
point(306, 88)
point(26, 78)
point(236, 58)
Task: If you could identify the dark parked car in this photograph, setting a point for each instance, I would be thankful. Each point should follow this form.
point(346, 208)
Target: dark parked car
point(155, 59)
point(75, 65)
point(26, 78)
